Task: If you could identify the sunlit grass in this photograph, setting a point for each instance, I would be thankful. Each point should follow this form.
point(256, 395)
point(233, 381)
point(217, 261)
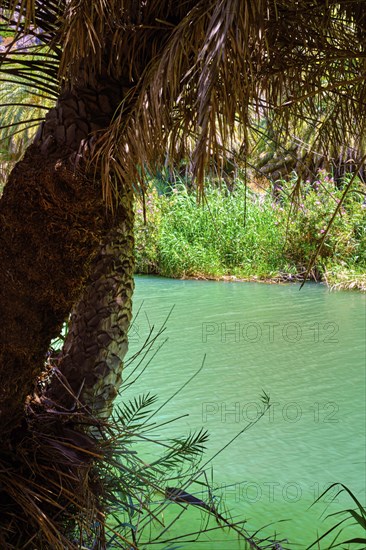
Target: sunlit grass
point(246, 234)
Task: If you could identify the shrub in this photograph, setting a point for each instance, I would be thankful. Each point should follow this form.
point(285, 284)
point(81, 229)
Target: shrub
point(250, 234)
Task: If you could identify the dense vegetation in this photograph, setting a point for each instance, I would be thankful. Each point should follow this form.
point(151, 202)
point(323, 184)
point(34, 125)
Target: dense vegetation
point(255, 233)
point(134, 82)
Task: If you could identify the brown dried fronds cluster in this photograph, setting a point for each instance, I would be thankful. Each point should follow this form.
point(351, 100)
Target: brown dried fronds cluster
point(195, 71)
point(50, 494)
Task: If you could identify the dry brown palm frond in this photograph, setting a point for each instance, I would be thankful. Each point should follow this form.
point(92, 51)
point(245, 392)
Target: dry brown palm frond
point(49, 488)
point(188, 69)
point(224, 58)
point(76, 481)
point(191, 92)
point(49, 484)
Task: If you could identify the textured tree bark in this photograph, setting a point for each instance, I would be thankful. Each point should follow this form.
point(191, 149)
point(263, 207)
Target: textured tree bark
point(92, 356)
point(52, 220)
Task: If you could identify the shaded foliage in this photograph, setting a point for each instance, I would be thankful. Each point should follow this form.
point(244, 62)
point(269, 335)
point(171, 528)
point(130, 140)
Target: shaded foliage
point(78, 481)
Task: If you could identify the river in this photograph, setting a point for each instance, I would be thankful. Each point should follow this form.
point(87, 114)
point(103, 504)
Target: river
point(306, 350)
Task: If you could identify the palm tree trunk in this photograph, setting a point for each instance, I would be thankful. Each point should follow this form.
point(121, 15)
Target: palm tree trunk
point(52, 220)
point(92, 356)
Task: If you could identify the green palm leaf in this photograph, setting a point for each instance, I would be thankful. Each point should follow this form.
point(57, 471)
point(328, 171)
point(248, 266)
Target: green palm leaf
point(132, 413)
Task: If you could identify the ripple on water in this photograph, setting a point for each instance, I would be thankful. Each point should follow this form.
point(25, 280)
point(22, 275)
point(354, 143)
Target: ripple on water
point(306, 349)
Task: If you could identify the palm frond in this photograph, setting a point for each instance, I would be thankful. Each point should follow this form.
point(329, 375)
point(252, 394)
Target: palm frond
point(220, 61)
point(134, 412)
point(22, 109)
point(180, 450)
point(194, 72)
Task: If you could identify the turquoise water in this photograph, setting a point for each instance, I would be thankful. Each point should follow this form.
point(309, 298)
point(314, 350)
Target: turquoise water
point(307, 351)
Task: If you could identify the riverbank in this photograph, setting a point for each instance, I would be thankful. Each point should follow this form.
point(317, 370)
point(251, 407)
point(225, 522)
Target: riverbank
point(347, 280)
point(246, 235)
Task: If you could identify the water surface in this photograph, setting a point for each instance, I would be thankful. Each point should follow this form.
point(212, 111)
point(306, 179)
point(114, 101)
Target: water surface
point(306, 349)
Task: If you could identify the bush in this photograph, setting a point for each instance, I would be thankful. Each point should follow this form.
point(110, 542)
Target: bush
point(312, 211)
point(249, 234)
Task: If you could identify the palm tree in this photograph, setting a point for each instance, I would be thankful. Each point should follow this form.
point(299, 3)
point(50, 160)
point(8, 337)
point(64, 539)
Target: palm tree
point(134, 81)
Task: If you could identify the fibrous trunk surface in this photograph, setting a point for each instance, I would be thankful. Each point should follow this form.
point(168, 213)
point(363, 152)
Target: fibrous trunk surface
point(52, 221)
point(93, 352)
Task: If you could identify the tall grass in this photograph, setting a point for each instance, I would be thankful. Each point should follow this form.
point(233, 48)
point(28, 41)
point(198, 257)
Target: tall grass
point(219, 237)
point(247, 234)
point(343, 520)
